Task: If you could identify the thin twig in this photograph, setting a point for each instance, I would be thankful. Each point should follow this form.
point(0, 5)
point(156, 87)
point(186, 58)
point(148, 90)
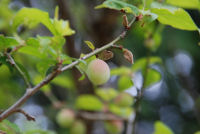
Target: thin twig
point(1, 132)
point(12, 62)
point(100, 116)
point(31, 91)
point(28, 117)
point(118, 46)
point(141, 92)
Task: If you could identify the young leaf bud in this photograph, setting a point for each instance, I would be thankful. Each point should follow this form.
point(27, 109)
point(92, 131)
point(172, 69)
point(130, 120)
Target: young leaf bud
point(128, 55)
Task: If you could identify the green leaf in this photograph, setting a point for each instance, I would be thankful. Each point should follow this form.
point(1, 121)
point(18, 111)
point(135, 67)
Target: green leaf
point(121, 71)
point(153, 39)
point(178, 18)
point(159, 5)
point(38, 131)
point(31, 50)
point(62, 27)
point(32, 42)
point(189, 4)
point(90, 45)
point(37, 79)
point(152, 77)
point(161, 128)
point(9, 128)
point(197, 132)
point(32, 17)
point(141, 63)
point(125, 82)
point(89, 102)
point(6, 42)
point(148, 16)
point(119, 5)
point(24, 70)
point(43, 65)
point(3, 60)
point(107, 94)
point(45, 47)
point(123, 112)
point(66, 59)
point(64, 81)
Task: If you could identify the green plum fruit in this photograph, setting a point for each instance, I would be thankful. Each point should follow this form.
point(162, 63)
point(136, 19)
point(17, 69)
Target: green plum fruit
point(114, 127)
point(78, 128)
point(98, 72)
point(124, 100)
point(65, 118)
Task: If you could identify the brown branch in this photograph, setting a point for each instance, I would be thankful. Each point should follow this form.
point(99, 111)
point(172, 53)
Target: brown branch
point(12, 62)
point(31, 91)
point(100, 116)
point(1, 132)
point(28, 117)
point(141, 91)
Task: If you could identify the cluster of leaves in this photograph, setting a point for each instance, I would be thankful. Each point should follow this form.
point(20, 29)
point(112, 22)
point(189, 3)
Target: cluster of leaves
point(48, 49)
point(11, 128)
point(126, 74)
point(170, 12)
point(106, 100)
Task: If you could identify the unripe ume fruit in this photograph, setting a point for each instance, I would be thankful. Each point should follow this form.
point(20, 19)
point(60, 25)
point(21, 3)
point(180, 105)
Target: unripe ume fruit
point(124, 100)
point(98, 72)
point(114, 127)
point(65, 118)
point(78, 127)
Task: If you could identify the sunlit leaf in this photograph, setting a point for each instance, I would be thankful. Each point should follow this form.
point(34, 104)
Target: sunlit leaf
point(32, 42)
point(63, 27)
point(32, 17)
point(6, 42)
point(140, 64)
point(33, 51)
point(190, 4)
point(121, 71)
point(178, 18)
point(89, 102)
point(9, 128)
point(159, 5)
point(106, 94)
point(125, 82)
point(38, 131)
point(37, 79)
point(119, 5)
point(197, 132)
point(43, 65)
point(152, 77)
point(123, 112)
point(64, 81)
point(161, 128)
point(148, 16)
point(90, 45)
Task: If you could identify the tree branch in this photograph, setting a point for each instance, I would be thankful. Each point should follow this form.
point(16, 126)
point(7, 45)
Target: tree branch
point(28, 117)
point(12, 62)
point(1, 132)
point(141, 91)
point(100, 116)
point(31, 91)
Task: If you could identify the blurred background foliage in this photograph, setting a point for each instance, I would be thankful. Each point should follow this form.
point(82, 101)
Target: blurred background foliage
point(174, 100)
